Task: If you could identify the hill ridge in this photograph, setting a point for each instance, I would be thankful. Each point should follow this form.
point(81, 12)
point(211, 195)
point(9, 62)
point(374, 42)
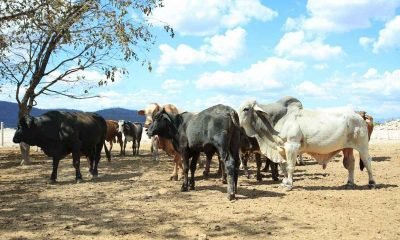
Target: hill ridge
point(9, 113)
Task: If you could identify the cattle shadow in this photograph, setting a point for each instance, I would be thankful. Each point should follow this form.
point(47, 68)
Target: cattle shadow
point(381, 159)
point(243, 193)
point(343, 187)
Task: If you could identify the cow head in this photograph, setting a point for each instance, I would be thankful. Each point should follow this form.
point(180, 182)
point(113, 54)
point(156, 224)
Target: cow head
point(25, 130)
point(162, 125)
point(255, 120)
point(149, 113)
point(121, 126)
point(247, 117)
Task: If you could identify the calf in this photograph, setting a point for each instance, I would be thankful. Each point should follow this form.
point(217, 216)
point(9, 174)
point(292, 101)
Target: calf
point(132, 132)
point(159, 142)
point(61, 133)
point(215, 128)
point(113, 136)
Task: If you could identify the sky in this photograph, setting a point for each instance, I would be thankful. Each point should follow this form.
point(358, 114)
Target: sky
point(328, 54)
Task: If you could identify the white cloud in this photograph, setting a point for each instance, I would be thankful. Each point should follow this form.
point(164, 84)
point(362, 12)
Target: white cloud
point(220, 49)
point(365, 42)
point(389, 37)
point(308, 88)
point(173, 86)
point(346, 15)
point(272, 73)
point(207, 17)
point(295, 44)
point(384, 84)
point(320, 67)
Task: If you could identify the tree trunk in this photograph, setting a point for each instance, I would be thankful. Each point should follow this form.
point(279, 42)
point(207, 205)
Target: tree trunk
point(24, 109)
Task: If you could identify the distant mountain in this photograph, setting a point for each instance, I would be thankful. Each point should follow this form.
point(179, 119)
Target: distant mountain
point(9, 113)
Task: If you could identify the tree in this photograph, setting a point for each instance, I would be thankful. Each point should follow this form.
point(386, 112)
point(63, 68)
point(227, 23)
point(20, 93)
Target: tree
point(45, 42)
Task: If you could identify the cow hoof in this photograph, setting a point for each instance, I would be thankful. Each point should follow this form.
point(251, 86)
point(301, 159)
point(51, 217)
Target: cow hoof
point(174, 178)
point(259, 178)
point(349, 186)
point(205, 174)
point(51, 181)
point(231, 197)
point(25, 163)
point(371, 185)
point(184, 189)
point(191, 187)
point(78, 180)
point(286, 187)
point(275, 179)
point(224, 181)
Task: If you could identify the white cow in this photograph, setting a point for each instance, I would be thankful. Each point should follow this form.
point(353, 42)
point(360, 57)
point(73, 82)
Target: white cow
point(284, 129)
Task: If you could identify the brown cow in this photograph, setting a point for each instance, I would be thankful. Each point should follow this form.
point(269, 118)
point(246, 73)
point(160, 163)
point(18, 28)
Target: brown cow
point(113, 136)
point(160, 142)
point(348, 157)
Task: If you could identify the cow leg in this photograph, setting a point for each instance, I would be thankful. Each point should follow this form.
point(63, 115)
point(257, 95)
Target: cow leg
point(267, 163)
point(223, 172)
point(185, 184)
point(97, 155)
point(177, 164)
point(348, 163)
point(257, 156)
point(291, 149)
point(137, 147)
point(119, 139)
point(244, 160)
point(193, 165)
point(206, 171)
point(231, 171)
point(53, 177)
point(367, 163)
point(108, 152)
point(123, 149)
point(154, 146)
point(274, 171)
point(300, 161)
point(133, 147)
point(76, 163)
point(111, 145)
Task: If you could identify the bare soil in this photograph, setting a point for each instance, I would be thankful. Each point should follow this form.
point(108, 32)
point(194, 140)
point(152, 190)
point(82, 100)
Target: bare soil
point(133, 199)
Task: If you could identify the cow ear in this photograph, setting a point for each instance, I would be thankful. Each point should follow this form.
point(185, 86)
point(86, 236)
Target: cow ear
point(141, 112)
point(258, 109)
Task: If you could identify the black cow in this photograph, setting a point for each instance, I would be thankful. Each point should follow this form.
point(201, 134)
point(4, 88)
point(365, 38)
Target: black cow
point(249, 145)
point(132, 132)
point(61, 133)
point(213, 129)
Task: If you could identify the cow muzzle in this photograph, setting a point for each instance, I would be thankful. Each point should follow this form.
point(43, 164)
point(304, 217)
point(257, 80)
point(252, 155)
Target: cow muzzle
point(17, 138)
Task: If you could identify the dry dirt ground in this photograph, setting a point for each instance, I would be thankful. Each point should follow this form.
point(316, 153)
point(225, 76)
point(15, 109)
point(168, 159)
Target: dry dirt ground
point(133, 199)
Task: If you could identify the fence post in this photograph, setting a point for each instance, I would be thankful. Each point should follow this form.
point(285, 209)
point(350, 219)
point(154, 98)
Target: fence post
point(2, 134)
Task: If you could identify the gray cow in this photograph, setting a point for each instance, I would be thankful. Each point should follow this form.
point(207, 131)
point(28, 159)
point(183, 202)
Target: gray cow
point(215, 129)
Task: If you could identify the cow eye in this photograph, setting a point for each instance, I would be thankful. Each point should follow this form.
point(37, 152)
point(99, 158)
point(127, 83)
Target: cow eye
point(246, 109)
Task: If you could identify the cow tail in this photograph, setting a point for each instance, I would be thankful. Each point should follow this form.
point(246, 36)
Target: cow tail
point(361, 165)
point(107, 152)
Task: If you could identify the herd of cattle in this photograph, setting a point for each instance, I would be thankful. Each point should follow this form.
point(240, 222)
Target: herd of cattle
point(280, 131)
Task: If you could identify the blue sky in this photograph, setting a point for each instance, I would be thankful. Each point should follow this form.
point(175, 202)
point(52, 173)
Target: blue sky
point(332, 53)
